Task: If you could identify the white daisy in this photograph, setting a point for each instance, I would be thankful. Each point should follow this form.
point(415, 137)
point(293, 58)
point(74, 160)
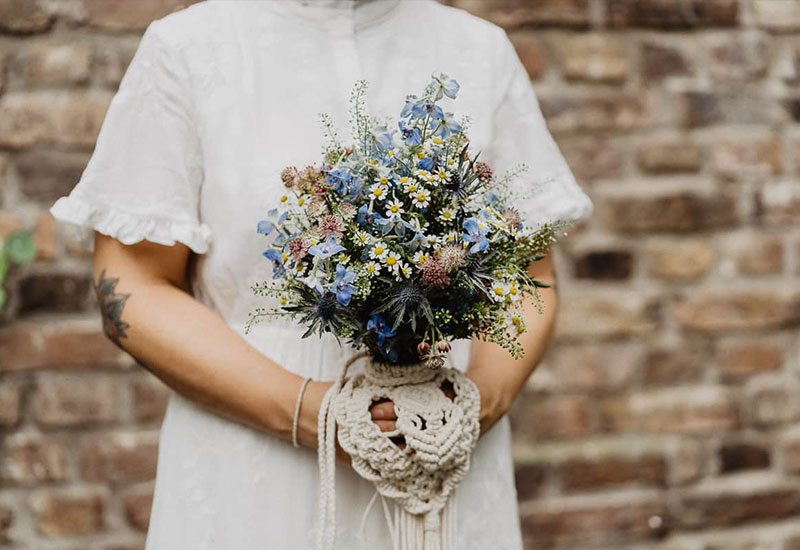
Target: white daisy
point(420, 257)
point(441, 175)
point(394, 207)
point(342, 259)
point(447, 215)
point(392, 260)
point(403, 271)
point(516, 322)
point(499, 291)
point(377, 192)
point(421, 198)
point(378, 251)
point(362, 237)
point(372, 268)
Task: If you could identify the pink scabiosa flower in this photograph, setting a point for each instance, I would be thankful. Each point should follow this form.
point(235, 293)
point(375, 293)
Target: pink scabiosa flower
point(434, 274)
point(331, 225)
point(316, 207)
point(512, 217)
point(347, 210)
point(298, 248)
point(484, 172)
point(289, 176)
point(451, 257)
point(307, 179)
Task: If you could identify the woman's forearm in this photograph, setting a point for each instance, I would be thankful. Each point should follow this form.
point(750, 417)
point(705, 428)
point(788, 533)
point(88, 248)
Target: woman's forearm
point(192, 349)
point(497, 374)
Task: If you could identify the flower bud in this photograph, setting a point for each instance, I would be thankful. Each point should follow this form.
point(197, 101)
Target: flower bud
point(423, 349)
point(442, 346)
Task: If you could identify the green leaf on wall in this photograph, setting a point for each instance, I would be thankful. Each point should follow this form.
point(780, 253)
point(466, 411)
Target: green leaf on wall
point(20, 247)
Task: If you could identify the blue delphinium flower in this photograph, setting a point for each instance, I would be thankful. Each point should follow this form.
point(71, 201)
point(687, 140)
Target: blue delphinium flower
point(410, 135)
point(265, 227)
point(365, 217)
point(342, 284)
point(393, 223)
point(326, 249)
point(444, 85)
point(338, 180)
point(408, 108)
point(277, 262)
point(381, 328)
point(476, 233)
point(416, 242)
point(422, 108)
point(447, 126)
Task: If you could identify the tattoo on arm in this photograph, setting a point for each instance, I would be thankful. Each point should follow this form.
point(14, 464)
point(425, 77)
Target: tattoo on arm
point(111, 305)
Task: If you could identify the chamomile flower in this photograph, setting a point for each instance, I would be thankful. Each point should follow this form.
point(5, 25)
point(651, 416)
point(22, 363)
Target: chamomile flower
point(411, 187)
point(441, 175)
point(420, 257)
point(499, 291)
point(404, 181)
point(392, 260)
point(447, 215)
point(342, 259)
point(394, 207)
point(448, 238)
point(378, 251)
point(377, 192)
point(362, 237)
point(372, 269)
point(515, 322)
point(402, 271)
point(421, 198)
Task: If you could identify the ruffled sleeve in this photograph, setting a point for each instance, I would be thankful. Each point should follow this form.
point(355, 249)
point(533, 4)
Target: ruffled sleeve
point(143, 179)
point(547, 190)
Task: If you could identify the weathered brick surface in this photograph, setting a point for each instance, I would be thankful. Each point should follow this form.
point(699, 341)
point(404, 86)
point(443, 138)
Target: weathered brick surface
point(666, 412)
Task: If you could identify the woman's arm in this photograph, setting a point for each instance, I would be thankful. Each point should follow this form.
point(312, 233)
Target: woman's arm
point(148, 311)
point(497, 374)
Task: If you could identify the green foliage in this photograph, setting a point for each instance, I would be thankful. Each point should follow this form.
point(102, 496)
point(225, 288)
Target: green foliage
point(18, 248)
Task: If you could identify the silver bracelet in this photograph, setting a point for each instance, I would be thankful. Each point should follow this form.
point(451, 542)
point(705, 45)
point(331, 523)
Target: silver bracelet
point(306, 380)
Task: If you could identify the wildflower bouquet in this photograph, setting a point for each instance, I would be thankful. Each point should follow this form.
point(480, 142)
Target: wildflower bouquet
point(403, 240)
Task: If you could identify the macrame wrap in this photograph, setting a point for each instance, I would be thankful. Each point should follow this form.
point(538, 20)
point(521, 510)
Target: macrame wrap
point(421, 478)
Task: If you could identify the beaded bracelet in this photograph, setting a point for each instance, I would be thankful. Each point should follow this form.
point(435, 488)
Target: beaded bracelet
point(306, 380)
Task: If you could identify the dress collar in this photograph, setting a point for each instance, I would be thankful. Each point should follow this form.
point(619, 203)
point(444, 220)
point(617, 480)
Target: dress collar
point(337, 15)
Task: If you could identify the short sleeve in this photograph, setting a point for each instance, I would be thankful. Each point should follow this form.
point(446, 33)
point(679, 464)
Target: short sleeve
point(143, 179)
point(547, 190)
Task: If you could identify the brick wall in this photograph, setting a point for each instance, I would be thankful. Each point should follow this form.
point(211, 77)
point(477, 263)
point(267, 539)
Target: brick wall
point(665, 415)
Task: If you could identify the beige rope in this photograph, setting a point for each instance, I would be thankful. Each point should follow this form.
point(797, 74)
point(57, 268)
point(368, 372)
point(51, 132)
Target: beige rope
point(421, 478)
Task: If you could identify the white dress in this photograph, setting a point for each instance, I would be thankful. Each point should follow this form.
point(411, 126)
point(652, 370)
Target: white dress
point(221, 96)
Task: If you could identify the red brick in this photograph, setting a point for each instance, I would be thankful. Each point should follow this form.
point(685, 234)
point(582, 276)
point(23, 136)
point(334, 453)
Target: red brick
point(529, 480)
point(718, 311)
point(741, 107)
point(600, 112)
point(594, 367)
point(661, 61)
point(605, 317)
point(593, 58)
point(739, 58)
point(747, 159)
point(776, 16)
point(746, 359)
point(591, 159)
point(56, 345)
point(735, 456)
point(613, 470)
point(32, 459)
point(604, 265)
point(24, 16)
point(778, 203)
point(61, 402)
point(664, 366)
point(121, 15)
point(681, 212)
point(138, 505)
point(558, 417)
point(789, 445)
point(10, 402)
point(680, 260)
point(668, 156)
point(69, 513)
point(763, 255)
point(44, 236)
point(54, 63)
point(50, 117)
point(120, 457)
point(719, 507)
point(773, 403)
point(58, 292)
point(672, 14)
point(512, 14)
point(675, 410)
point(6, 521)
point(601, 525)
point(47, 175)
